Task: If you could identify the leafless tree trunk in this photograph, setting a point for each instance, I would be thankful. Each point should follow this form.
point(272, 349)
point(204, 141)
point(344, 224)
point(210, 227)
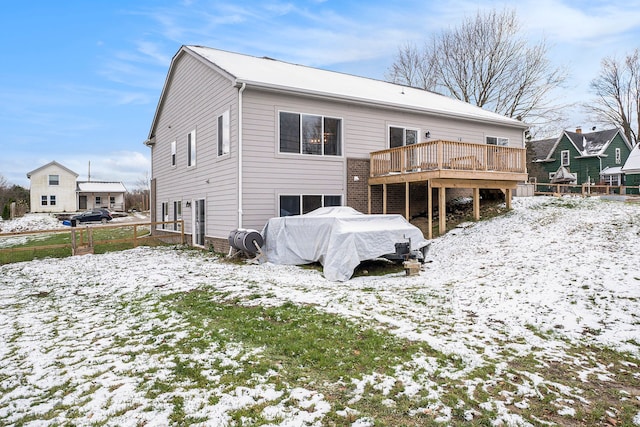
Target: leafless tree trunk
point(617, 90)
point(486, 62)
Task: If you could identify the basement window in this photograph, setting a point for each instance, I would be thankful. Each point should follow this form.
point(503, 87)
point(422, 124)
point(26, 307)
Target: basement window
point(302, 204)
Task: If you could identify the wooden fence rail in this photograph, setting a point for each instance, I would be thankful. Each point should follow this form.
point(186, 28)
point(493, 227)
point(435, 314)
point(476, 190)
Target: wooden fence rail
point(82, 239)
point(542, 188)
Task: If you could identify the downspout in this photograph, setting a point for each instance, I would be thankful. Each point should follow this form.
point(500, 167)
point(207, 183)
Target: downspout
point(242, 88)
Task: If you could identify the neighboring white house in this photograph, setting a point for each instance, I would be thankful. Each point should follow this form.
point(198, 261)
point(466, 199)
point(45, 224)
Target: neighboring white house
point(238, 139)
point(55, 188)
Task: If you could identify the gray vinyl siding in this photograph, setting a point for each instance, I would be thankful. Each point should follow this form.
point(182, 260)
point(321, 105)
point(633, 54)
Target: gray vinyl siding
point(194, 99)
point(268, 173)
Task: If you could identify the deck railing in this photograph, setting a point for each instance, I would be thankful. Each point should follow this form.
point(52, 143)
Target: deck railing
point(437, 155)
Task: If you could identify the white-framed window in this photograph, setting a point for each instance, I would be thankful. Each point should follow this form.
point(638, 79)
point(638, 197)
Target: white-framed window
point(551, 176)
point(618, 156)
point(296, 204)
point(310, 134)
point(565, 158)
point(44, 201)
point(399, 136)
point(495, 140)
point(224, 134)
point(613, 179)
point(177, 214)
point(52, 200)
point(54, 179)
point(98, 200)
point(191, 148)
point(173, 152)
point(164, 208)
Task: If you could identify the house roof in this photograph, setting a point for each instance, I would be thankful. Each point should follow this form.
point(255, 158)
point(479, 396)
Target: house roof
point(632, 165)
point(271, 74)
point(594, 143)
point(587, 144)
point(542, 148)
point(100, 187)
point(53, 163)
point(611, 170)
point(563, 175)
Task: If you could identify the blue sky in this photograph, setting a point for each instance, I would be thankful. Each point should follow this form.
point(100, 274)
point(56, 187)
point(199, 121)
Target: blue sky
point(80, 80)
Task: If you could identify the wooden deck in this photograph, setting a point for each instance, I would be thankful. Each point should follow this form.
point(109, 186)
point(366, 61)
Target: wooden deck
point(447, 160)
point(447, 164)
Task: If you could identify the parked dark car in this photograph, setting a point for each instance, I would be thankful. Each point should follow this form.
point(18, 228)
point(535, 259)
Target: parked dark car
point(94, 215)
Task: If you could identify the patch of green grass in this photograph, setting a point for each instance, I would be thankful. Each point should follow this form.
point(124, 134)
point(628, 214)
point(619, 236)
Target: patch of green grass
point(311, 342)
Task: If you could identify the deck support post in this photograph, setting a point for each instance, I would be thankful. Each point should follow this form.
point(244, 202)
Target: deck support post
point(384, 199)
point(442, 210)
point(369, 199)
point(429, 210)
point(508, 193)
point(406, 201)
point(476, 204)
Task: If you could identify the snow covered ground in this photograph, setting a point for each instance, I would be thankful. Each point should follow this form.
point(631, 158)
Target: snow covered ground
point(30, 222)
point(550, 276)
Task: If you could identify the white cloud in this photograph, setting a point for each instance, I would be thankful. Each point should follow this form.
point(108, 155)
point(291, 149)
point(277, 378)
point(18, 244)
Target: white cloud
point(126, 166)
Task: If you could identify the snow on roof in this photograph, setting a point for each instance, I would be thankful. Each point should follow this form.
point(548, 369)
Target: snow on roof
point(563, 175)
point(615, 170)
point(101, 187)
point(593, 143)
point(270, 73)
point(632, 165)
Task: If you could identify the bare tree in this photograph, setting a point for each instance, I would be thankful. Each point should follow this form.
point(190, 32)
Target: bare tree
point(412, 68)
point(617, 90)
point(487, 62)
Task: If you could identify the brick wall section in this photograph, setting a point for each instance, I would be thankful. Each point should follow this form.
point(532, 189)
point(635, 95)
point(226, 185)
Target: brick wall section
point(357, 191)
point(217, 244)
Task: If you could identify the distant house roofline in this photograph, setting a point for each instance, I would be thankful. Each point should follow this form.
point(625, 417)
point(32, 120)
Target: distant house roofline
point(52, 163)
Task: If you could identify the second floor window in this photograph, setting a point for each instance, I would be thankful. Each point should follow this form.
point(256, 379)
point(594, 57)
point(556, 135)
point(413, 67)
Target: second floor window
point(564, 158)
point(309, 134)
point(618, 157)
point(173, 153)
point(224, 134)
point(191, 148)
point(54, 179)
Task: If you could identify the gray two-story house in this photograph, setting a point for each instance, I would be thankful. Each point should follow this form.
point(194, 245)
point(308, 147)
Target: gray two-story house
point(238, 139)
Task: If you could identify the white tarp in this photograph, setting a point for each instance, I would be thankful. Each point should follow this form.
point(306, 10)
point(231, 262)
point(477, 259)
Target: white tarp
point(337, 237)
